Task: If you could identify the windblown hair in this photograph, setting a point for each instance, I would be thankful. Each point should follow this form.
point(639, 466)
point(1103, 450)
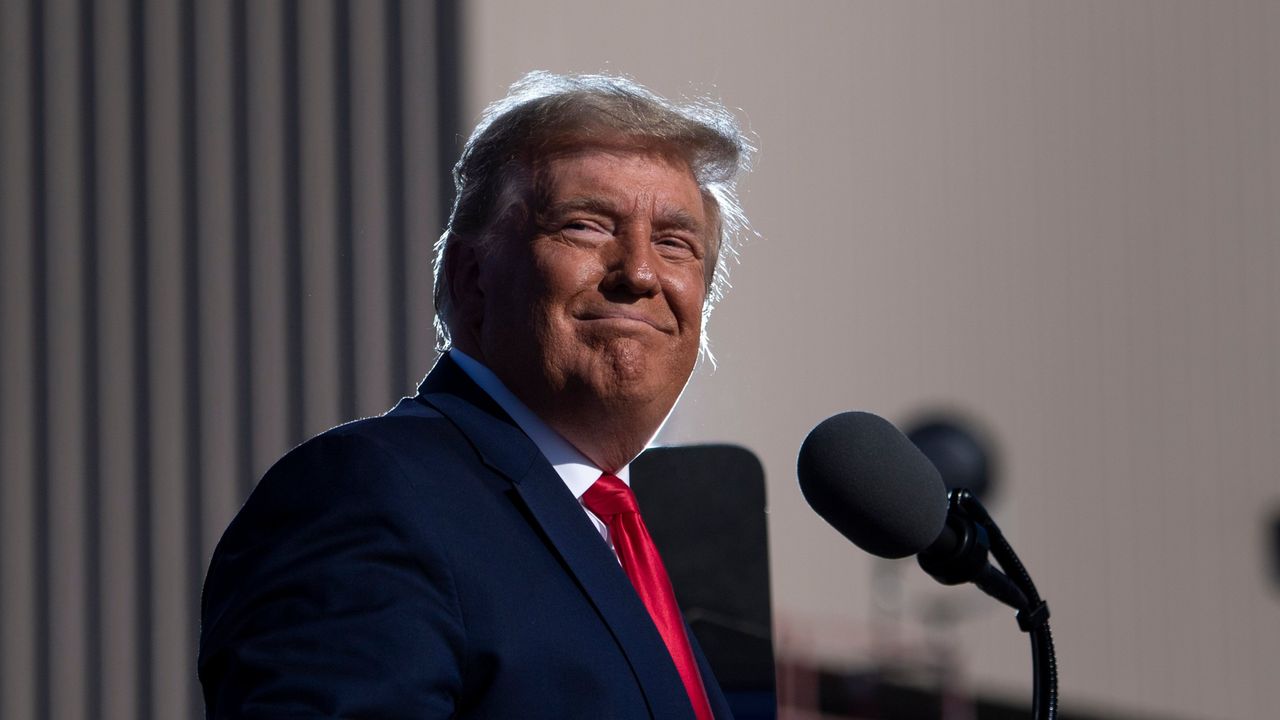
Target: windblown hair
point(545, 114)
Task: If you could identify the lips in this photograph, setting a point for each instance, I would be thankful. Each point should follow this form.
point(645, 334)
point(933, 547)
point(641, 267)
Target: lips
point(624, 316)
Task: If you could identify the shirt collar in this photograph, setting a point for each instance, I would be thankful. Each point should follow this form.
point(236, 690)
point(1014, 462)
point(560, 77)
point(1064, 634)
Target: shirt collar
point(578, 472)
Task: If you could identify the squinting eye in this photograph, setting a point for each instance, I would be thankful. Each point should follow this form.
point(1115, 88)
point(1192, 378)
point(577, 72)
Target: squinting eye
point(583, 226)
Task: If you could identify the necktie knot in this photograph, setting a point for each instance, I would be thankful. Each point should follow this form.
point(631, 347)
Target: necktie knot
point(609, 496)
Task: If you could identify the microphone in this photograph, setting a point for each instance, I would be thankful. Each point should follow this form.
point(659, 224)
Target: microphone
point(871, 483)
point(874, 486)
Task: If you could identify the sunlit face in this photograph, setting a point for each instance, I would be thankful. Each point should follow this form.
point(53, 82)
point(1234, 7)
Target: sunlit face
point(602, 305)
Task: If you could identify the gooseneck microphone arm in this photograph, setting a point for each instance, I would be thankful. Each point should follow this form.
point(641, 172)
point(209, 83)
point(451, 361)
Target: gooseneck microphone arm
point(959, 555)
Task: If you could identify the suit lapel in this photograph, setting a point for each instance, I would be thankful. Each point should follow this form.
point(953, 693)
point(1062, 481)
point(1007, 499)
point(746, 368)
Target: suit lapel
point(506, 449)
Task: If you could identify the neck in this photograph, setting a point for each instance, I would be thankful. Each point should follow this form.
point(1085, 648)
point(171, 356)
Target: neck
point(609, 434)
point(610, 438)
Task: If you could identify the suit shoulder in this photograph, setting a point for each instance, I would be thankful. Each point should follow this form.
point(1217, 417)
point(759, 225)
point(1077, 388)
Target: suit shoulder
point(399, 442)
point(410, 425)
point(388, 471)
point(405, 469)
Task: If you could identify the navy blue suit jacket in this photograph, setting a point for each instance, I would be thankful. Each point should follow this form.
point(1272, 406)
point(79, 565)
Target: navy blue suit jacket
point(427, 563)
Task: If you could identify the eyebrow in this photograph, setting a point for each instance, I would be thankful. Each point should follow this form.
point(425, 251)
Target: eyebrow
point(596, 205)
point(680, 219)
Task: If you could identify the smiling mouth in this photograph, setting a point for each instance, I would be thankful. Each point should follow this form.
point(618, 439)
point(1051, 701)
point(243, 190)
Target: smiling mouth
point(622, 318)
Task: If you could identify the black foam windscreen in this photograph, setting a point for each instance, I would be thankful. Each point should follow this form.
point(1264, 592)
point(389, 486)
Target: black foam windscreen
point(867, 479)
point(704, 505)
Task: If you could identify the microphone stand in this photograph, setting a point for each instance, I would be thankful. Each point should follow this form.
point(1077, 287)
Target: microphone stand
point(960, 556)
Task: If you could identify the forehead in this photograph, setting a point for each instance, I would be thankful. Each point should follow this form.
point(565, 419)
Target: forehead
point(655, 180)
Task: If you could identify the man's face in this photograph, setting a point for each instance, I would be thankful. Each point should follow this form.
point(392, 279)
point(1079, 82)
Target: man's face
point(602, 306)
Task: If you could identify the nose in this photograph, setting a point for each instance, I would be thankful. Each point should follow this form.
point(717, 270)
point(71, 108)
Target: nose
point(631, 266)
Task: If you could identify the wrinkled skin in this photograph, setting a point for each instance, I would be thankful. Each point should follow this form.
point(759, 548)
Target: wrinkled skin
point(594, 321)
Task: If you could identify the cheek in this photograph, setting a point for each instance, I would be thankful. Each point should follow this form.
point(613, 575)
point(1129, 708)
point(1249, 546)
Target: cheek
point(564, 273)
point(584, 274)
point(686, 296)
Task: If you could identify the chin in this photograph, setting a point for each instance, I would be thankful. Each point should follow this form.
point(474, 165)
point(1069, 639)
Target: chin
point(645, 383)
point(627, 361)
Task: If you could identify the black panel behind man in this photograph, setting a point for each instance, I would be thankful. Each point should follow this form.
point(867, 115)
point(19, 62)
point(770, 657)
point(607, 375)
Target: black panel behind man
point(441, 560)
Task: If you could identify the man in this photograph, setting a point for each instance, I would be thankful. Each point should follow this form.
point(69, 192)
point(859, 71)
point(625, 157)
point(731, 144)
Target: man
point(473, 552)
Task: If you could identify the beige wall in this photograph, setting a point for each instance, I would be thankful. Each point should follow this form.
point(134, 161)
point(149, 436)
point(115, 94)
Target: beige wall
point(1061, 217)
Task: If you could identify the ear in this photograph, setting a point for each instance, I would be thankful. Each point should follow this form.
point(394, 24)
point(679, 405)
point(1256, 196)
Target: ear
point(712, 257)
point(466, 293)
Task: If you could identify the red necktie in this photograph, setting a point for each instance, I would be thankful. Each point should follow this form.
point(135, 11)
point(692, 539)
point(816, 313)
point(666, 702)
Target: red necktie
point(614, 503)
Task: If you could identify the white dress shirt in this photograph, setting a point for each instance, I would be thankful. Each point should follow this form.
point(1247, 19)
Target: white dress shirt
point(577, 472)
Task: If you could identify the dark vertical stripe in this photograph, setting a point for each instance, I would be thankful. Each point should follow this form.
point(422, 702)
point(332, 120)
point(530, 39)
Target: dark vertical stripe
point(240, 189)
point(295, 358)
point(346, 275)
point(191, 286)
point(141, 348)
point(92, 417)
point(40, 362)
point(448, 44)
point(397, 269)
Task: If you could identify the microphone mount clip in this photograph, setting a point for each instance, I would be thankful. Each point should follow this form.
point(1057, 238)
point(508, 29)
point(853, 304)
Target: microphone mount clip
point(960, 555)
